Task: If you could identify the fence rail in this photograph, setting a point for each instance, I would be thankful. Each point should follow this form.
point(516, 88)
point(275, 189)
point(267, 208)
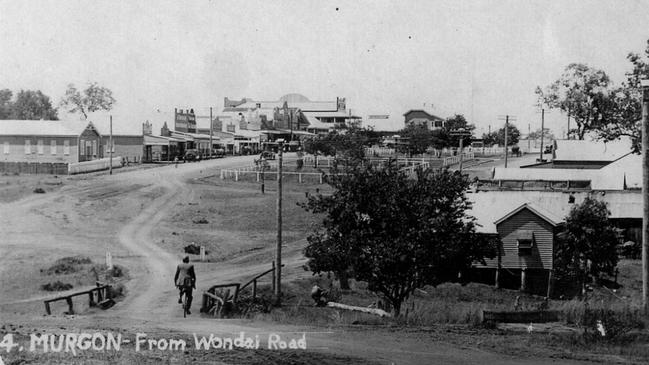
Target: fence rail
point(219, 296)
point(102, 293)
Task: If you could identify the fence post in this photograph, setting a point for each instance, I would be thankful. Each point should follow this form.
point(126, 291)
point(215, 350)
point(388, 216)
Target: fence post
point(321, 174)
point(47, 308)
point(257, 176)
point(254, 289)
point(203, 253)
point(70, 309)
point(109, 261)
point(222, 175)
point(236, 175)
point(299, 178)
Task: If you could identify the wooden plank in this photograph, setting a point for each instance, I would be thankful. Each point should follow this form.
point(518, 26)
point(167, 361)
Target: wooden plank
point(376, 311)
point(520, 316)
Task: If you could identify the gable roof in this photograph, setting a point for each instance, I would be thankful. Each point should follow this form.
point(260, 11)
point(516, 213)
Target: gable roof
point(431, 116)
point(487, 206)
point(40, 128)
point(545, 215)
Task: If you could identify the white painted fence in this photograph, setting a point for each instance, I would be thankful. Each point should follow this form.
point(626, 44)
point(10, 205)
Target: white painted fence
point(94, 165)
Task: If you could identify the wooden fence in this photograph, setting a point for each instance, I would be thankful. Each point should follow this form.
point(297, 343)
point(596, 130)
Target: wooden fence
point(101, 292)
point(220, 296)
point(52, 168)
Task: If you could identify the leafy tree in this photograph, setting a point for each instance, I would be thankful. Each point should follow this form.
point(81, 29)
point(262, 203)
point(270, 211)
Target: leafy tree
point(92, 99)
point(453, 124)
point(547, 134)
point(5, 103)
point(347, 144)
point(498, 137)
point(587, 247)
point(31, 105)
point(419, 138)
point(584, 93)
point(627, 102)
point(393, 231)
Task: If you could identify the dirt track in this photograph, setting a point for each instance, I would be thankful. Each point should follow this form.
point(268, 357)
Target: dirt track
point(151, 305)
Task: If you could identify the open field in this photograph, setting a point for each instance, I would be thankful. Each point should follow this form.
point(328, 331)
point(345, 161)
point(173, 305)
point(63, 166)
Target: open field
point(146, 217)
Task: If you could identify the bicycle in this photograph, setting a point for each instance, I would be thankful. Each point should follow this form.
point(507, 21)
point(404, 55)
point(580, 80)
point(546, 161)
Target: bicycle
point(187, 286)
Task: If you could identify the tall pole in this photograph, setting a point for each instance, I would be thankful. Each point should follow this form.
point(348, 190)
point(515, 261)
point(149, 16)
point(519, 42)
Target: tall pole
point(461, 152)
point(110, 147)
point(542, 133)
point(211, 126)
point(278, 252)
point(506, 125)
point(529, 131)
point(568, 131)
point(645, 196)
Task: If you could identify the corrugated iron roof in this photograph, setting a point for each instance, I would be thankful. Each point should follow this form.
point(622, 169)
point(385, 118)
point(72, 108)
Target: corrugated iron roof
point(489, 206)
point(40, 128)
point(582, 150)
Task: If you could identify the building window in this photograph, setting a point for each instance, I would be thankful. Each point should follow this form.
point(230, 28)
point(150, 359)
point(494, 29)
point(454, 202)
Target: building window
point(28, 147)
point(6, 148)
point(39, 147)
point(53, 147)
point(66, 147)
point(525, 242)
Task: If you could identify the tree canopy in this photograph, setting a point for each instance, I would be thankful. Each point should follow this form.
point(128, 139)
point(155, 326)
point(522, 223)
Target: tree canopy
point(27, 105)
point(93, 98)
point(587, 247)
point(419, 138)
point(395, 232)
point(498, 137)
point(584, 93)
point(452, 125)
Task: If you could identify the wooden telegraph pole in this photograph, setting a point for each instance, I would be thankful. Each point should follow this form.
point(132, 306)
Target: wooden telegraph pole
point(110, 148)
point(211, 126)
point(542, 133)
point(506, 118)
point(278, 252)
point(645, 196)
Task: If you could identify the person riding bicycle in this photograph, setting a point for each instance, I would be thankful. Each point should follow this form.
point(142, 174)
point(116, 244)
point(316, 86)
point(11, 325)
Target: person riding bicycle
point(185, 280)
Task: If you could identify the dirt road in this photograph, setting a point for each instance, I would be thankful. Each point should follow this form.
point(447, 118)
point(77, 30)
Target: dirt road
point(151, 304)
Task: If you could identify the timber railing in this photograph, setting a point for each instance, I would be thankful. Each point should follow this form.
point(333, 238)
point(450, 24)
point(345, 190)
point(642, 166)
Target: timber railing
point(220, 296)
point(101, 293)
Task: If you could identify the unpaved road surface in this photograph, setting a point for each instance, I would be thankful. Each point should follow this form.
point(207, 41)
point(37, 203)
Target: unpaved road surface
point(123, 210)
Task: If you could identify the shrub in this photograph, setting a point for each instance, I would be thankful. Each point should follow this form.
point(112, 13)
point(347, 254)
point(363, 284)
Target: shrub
point(39, 191)
point(200, 220)
point(117, 290)
point(68, 265)
point(56, 286)
point(194, 249)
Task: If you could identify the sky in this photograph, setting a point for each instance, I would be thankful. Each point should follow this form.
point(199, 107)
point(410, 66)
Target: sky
point(482, 59)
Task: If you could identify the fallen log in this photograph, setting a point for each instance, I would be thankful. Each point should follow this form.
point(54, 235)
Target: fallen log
point(378, 312)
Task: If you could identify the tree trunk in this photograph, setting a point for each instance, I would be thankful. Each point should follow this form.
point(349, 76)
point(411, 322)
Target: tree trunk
point(396, 307)
point(343, 278)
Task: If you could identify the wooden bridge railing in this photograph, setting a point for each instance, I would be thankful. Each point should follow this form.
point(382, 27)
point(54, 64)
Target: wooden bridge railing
point(102, 293)
point(220, 295)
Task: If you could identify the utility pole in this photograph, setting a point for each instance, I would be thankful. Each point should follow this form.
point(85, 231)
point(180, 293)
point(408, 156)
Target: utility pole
point(110, 146)
point(461, 133)
point(542, 133)
point(568, 131)
point(507, 118)
point(278, 252)
point(211, 126)
point(645, 196)
point(529, 131)
point(506, 149)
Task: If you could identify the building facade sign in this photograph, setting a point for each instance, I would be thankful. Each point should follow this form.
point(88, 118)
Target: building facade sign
point(185, 121)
